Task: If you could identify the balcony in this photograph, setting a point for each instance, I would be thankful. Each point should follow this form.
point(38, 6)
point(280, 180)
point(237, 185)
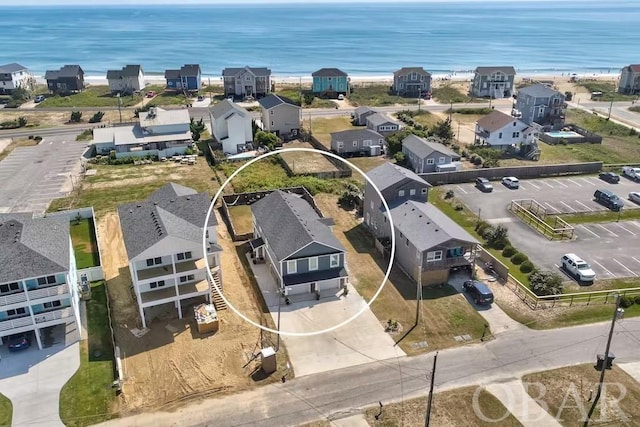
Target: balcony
point(483, 134)
point(19, 322)
point(449, 262)
point(198, 287)
point(13, 298)
point(185, 290)
point(51, 316)
point(150, 273)
point(189, 265)
point(50, 291)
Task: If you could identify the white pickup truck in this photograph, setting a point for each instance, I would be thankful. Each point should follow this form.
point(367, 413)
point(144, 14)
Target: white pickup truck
point(631, 172)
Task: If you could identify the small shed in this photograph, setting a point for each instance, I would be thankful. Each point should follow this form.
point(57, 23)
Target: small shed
point(206, 318)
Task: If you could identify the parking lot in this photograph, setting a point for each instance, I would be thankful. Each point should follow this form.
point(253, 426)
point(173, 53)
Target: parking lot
point(33, 176)
point(610, 248)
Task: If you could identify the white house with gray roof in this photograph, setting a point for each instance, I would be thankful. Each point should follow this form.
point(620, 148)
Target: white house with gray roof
point(383, 124)
point(503, 132)
point(38, 277)
point(13, 76)
point(163, 237)
point(127, 80)
point(630, 80)
point(246, 81)
point(279, 115)
point(541, 106)
point(298, 244)
point(495, 82)
point(429, 244)
point(429, 156)
point(357, 142)
point(231, 126)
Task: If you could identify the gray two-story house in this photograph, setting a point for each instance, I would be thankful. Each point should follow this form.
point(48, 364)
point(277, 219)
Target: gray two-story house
point(357, 142)
point(542, 106)
point(428, 156)
point(493, 82)
point(397, 185)
point(630, 80)
point(247, 81)
point(360, 114)
point(298, 245)
point(411, 81)
point(279, 115)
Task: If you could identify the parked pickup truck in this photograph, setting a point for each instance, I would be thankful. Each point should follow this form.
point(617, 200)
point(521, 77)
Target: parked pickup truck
point(631, 172)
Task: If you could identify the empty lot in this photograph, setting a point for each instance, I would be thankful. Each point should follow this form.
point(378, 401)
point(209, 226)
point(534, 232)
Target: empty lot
point(610, 248)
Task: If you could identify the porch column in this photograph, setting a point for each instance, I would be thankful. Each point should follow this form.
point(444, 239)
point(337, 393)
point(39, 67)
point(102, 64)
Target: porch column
point(144, 321)
point(179, 307)
point(37, 334)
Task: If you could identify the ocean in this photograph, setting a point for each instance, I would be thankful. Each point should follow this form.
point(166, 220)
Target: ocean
point(295, 40)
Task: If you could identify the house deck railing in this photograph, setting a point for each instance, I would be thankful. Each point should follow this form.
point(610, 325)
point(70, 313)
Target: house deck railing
point(13, 298)
point(16, 323)
point(49, 292)
point(54, 315)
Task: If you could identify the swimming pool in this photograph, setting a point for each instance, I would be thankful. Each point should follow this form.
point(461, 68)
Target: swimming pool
point(563, 134)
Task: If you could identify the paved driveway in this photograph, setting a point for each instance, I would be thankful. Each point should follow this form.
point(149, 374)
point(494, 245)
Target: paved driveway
point(361, 341)
point(33, 176)
point(610, 248)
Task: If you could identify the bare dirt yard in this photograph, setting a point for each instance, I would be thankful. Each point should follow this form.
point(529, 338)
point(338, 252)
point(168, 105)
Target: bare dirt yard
point(305, 163)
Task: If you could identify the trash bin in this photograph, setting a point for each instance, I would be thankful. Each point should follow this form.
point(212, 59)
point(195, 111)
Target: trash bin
point(600, 362)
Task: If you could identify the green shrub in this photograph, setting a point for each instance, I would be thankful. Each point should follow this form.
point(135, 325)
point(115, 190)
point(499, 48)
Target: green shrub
point(526, 267)
point(478, 161)
point(518, 258)
point(449, 194)
point(637, 300)
point(481, 227)
point(508, 251)
point(626, 302)
point(545, 282)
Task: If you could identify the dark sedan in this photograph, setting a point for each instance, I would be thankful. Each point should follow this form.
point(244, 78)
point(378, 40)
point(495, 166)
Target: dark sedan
point(19, 342)
point(610, 177)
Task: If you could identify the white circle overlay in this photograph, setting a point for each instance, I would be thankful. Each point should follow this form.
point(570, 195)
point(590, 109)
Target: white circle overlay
point(281, 332)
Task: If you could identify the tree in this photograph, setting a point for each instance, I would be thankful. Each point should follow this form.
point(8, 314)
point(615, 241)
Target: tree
point(545, 282)
point(399, 158)
point(196, 129)
point(394, 141)
point(76, 116)
point(443, 130)
point(22, 121)
point(266, 139)
point(20, 94)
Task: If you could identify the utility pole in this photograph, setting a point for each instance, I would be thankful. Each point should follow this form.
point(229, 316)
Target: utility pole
point(611, 105)
point(419, 290)
point(617, 313)
point(433, 377)
point(300, 92)
point(120, 107)
point(210, 91)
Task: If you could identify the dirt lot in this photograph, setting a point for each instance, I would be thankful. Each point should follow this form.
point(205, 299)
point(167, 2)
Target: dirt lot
point(241, 218)
point(305, 163)
point(40, 119)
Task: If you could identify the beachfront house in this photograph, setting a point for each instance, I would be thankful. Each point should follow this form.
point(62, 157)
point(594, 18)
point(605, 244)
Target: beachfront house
point(279, 115)
point(360, 115)
point(503, 132)
point(425, 155)
point(357, 142)
point(383, 124)
point(298, 245)
point(161, 133)
point(630, 80)
point(493, 82)
point(397, 185)
point(13, 76)
point(126, 81)
point(38, 277)
point(66, 80)
point(330, 82)
point(541, 106)
point(246, 81)
point(231, 126)
point(187, 78)
point(412, 82)
point(163, 239)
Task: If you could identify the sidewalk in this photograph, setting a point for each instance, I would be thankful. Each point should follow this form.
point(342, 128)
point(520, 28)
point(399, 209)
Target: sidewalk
point(515, 398)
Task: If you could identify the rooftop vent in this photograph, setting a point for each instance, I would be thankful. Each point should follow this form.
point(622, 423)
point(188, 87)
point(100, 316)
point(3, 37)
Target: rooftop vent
point(139, 206)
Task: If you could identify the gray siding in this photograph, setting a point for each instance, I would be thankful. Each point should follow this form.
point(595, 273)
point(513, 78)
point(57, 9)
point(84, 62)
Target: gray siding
point(314, 249)
point(541, 110)
point(407, 255)
point(482, 86)
point(302, 265)
point(281, 119)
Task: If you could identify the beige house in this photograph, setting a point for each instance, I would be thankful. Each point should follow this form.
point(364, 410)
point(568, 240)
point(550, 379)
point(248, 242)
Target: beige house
point(279, 115)
point(630, 80)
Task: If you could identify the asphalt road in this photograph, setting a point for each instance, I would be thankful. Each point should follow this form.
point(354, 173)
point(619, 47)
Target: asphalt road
point(610, 248)
point(336, 394)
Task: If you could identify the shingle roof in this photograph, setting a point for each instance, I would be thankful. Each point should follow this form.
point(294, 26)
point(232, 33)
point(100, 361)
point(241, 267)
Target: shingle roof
point(378, 119)
point(364, 109)
point(11, 68)
point(65, 71)
point(329, 72)
point(232, 72)
point(158, 117)
point(388, 174)
point(405, 70)
point(635, 68)
point(289, 223)
point(356, 134)
point(186, 70)
point(426, 226)
point(172, 210)
point(490, 70)
point(226, 108)
point(538, 91)
point(272, 100)
point(127, 71)
point(495, 120)
point(424, 148)
point(32, 247)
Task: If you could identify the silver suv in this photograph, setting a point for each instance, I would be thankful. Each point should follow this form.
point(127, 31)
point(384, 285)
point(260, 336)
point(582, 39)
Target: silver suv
point(578, 268)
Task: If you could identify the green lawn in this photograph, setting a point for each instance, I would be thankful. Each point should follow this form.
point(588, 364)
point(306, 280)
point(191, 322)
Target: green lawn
point(425, 118)
point(93, 96)
point(241, 218)
point(322, 127)
point(605, 216)
point(6, 411)
point(85, 246)
point(377, 96)
point(294, 95)
point(635, 109)
point(170, 98)
point(87, 398)
point(448, 94)
point(608, 90)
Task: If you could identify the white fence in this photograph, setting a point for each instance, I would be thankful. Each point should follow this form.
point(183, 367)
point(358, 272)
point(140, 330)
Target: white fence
point(93, 273)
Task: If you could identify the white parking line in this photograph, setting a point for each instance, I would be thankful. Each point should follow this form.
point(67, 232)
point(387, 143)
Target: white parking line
point(625, 267)
point(628, 231)
point(547, 184)
point(583, 205)
point(635, 259)
point(634, 223)
point(602, 267)
point(586, 229)
point(533, 185)
point(607, 230)
point(569, 179)
point(522, 188)
point(587, 181)
point(568, 207)
point(461, 189)
point(550, 206)
point(561, 183)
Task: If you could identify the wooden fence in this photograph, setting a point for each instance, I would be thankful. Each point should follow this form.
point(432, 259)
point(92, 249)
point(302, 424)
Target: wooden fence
point(535, 215)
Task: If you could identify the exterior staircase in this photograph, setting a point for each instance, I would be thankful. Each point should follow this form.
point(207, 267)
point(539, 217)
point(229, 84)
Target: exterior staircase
point(534, 151)
point(216, 298)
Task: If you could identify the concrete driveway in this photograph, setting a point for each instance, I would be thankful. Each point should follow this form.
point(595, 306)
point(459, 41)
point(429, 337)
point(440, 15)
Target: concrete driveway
point(361, 341)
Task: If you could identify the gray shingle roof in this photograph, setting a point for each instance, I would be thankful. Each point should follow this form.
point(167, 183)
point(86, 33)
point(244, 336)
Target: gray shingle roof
point(289, 223)
point(364, 109)
point(127, 71)
point(32, 247)
point(538, 91)
point(66, 71)
point(424, 148)
point(356, 135)
point(426, 226)
point(272, 100)
point(406, 70)
point(226, 108)
point(172, 210)
point(495, 120)
point(490, 70)
point(329, 72)
point(11, 68)
point(388, 174)
point(379, 119)
point(260, 71)
point(187, 70)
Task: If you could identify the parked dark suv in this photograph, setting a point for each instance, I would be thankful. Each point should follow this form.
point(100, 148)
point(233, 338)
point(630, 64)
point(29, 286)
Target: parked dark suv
point(479, 291)
point(610, 177)
point(608, 199)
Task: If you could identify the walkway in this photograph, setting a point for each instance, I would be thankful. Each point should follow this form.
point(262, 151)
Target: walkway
point(515, 398)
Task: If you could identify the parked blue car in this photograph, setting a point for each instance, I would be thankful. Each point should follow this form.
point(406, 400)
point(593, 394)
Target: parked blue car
point(19, 342)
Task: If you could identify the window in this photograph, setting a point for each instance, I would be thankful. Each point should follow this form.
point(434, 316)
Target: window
point(157, 261)
point(515, 135)
point(515, 123)
point(49, 280)
point(401, 193)
point(272, 124)
point(430, 161)
point(16, 312)
point(407, 242)
point(366, 143)
point(355, 143)
point(372, 205)
point(184, 255)
point(9, 287)
point(412, 192)
point(500, 135)
point(313, 263)
point(423, 190)
point(271, 112)
point(401, 85)
point(434, 256)
point(292, 267)
point(158, 284)
point(334, 260)
point(188, 278)
point(52, 304)
point(441, 160)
